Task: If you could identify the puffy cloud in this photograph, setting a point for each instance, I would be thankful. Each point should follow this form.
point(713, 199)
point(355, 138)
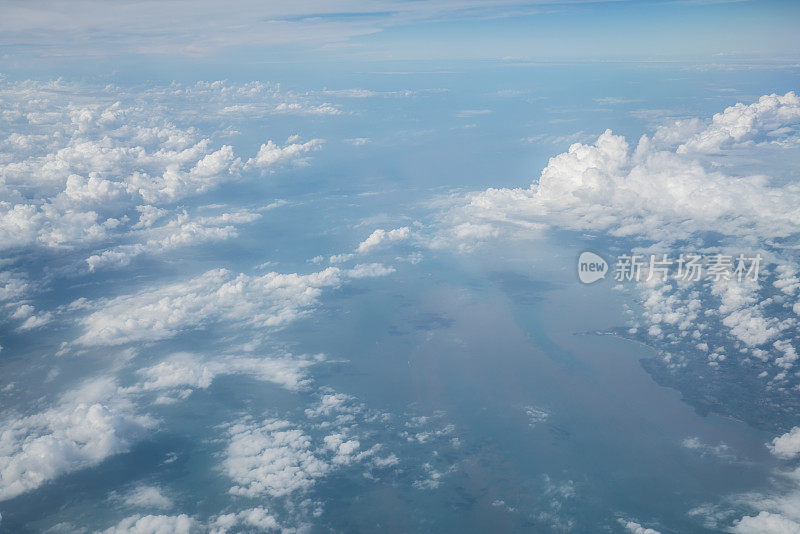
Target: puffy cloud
point(433, 477)
point(77, 160)
point(376, 239)
point(147, 497)
point(181, 231)
point(380, 237)
point(344, 450)
point(270, 154)
point(669, 187)
point(536, 415)
point(272, 458)
point(369, 270)
point(765, 523)
point(331, 403)
point(635, 528)
point(277, 458)
point(190, 371)
point(246, 101)
point(742, 313)
point(340, 258)
point(786, 446)
point(35, 321)
point(84, 428)
point(267, 301)
point(295, 108)
point(70, 180)
point(155, 524)
point(721, 450)
point(774, 510)
point(771, 117)
point(257, 518)
point(12, 286)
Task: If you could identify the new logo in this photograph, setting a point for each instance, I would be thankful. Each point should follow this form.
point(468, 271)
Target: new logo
point(591, 267)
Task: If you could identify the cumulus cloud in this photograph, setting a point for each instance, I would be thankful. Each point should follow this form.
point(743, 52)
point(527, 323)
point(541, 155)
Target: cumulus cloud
point(84, 428)
point(771, 117)
point(369, 270)
point(272, 458)
point(100, 419)
point(380, 237)
point(147, 497)
point(786, 446)
point(12, 285)
point(668, 187)
point(270, 154)
point(765, 523)
point(78, 162)
point(635, 528)
point(267, 301)
point(280, 459)
point(181, 231)
point(155, 524)
point(257, 518)
point(185, 370)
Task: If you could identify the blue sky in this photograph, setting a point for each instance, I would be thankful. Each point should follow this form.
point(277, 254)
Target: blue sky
point(56, 34)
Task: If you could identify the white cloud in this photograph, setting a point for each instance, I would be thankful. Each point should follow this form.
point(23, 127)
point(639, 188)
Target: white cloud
point(272, 458)
point(185, 370)
point(635, 528)
point(433, 477)
point(536, 415)
point(147, 497)
point(721, 450)
point(155, 524)
point(331, 403)
point(671, 186)
point(78, 162)
point(345, 451)
point(84, 428)
point(786, 446)
point(765, 523)
point(369, 270)
point(774, 510)
point(72, 177)
point(181, 231)
point(340, 258)
point(12, 286)
point(267, 301)
point(35, 321)
point(257, 518)
point(270, 154)
point(380, 237)
point(767, 117)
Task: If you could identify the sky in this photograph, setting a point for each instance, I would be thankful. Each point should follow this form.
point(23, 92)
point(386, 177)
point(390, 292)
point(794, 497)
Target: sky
point(53, 33)
point(311, 266)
